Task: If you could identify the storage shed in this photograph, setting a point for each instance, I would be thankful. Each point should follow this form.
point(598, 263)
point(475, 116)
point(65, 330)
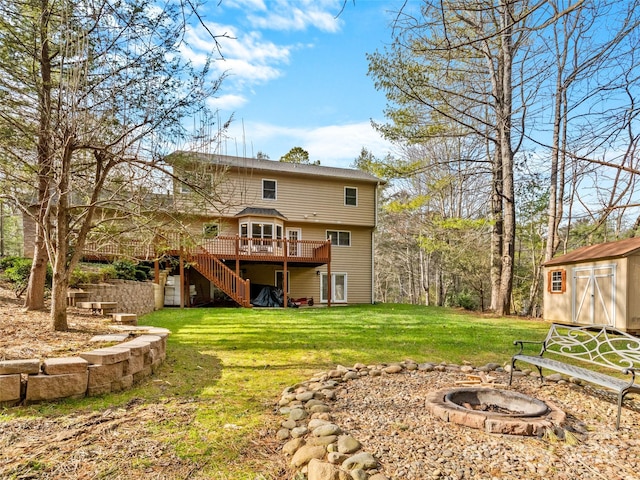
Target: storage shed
point(595, 285)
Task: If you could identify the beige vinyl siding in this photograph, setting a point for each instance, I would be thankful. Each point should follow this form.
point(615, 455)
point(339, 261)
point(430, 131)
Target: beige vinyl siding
point(312, 203)
point(299, 198)
point(355, 261)
point(304, 282)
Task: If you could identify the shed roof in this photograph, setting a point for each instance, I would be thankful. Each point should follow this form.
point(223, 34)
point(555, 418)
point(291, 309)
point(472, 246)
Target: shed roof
point(620, 248)
point(274, 166)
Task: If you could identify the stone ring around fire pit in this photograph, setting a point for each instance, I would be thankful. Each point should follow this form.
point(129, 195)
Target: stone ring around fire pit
point(494, 411)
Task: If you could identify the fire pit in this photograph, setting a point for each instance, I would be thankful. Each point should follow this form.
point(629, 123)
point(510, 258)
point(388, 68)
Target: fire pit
point(495, 411)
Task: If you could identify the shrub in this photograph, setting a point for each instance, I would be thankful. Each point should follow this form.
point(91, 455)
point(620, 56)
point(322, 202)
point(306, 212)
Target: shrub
point(107, 273)
point(80, 276)
point(466, 300)
point(7, 262)
point(125, 269)
point(17, 272)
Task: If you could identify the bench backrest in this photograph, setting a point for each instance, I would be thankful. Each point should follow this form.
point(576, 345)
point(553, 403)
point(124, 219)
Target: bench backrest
point(600, 344)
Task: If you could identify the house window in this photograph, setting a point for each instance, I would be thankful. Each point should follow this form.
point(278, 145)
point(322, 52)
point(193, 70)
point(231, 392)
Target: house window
point(338, 287)
point(261, 230)
point(340, 239)
point(557, 281)
point(210, 230)
point(351, 196)
point(269, 188)
point(184, 188)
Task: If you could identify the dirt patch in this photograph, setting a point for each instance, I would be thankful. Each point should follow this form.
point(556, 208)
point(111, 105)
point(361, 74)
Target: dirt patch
point(134, 440)
point(29, 334)
point(107, 443)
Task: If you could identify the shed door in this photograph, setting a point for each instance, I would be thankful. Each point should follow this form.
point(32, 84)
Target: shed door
point(594, 295)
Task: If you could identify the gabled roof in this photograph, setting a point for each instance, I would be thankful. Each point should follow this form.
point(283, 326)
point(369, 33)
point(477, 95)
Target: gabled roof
point(273, 166)
point(260, 212)
point(620, 248)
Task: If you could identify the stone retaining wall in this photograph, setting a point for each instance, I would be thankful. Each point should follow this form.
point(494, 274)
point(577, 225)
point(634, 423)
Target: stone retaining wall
point(103, 370)
point(131, 296)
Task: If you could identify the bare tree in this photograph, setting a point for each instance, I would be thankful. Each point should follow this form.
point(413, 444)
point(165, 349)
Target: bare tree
point(106, 88)
point(455, 63)
point(590, 65)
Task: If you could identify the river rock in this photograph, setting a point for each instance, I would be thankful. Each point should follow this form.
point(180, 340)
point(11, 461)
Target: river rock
point(306, 453)
point(362, 460)
point(348, 444)
point(319, 470)
point(326, 430)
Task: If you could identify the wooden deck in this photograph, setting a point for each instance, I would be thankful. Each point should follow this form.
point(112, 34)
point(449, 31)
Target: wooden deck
point(294, 252)
point(215, 258)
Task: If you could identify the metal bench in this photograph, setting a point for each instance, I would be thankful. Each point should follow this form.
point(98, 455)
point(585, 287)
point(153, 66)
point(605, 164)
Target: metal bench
point(600, 345)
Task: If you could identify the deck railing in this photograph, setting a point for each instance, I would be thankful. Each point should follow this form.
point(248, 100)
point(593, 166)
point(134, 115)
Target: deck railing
point(133, 249)
point(207, 255)
point(268, 249)
point(265, 249)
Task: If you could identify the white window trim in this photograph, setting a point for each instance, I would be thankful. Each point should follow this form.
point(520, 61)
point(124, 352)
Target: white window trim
point(339, 232)
point(323, 275)
point(276, 189)
point(345, 197)
point(557, 285)
point(262, 224)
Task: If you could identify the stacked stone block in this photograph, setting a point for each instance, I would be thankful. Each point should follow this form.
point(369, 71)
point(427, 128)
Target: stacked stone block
point(130, 296)
point(96, 372)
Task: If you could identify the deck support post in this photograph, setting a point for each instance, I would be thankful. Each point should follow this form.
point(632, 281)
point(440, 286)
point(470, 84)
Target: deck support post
point(285, 284)
point(182, 279)
point(238, 255)
point(329, 282)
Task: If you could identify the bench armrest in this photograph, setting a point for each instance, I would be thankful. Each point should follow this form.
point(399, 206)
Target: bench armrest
point(631, 371)
point(522, 343)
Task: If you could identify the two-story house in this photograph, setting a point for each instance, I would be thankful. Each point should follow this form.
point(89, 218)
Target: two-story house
point(306, 229)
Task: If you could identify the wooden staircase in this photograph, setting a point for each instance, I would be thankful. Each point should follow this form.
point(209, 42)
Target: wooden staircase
point(237, 288)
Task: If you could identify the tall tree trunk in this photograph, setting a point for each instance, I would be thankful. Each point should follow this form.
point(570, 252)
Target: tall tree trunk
point(59, 295)
point(61, 262)
point(504, 109)
point(552, 226)
point(496, 230)
point(34, 299)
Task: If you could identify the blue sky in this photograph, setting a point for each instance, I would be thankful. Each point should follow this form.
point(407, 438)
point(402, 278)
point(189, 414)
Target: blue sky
point(297, 75)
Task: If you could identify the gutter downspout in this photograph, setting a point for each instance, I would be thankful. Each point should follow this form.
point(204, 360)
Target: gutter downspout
point(373, 244)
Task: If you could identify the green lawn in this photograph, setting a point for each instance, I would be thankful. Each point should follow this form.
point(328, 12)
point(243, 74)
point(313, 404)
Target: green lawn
point(242, 359)
point(230, 366)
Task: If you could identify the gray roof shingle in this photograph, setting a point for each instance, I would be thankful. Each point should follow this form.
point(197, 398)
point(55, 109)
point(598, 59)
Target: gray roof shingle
point(275, 166)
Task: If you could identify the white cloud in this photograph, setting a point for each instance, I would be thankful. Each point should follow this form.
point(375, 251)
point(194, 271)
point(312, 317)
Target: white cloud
point(248, 58)
point(288, 15)
point(334, 145)
point(339, 145)
point(246, 4)
point(227, 102)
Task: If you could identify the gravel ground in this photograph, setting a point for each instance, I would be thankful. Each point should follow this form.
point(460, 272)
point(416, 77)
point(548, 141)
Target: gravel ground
point(387, 415)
